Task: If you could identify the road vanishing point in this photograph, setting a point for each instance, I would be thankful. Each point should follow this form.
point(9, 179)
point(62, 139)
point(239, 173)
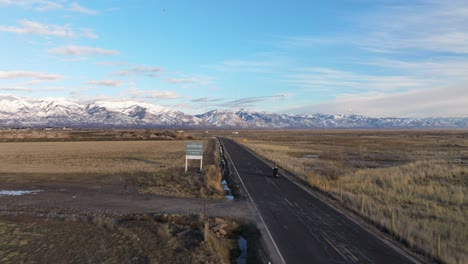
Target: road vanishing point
point(299, 227)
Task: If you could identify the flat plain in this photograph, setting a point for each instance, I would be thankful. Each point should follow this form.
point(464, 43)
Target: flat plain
point(411, 184)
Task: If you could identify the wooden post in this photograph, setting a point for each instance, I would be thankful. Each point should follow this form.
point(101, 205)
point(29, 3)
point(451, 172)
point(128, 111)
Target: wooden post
point(206, 230)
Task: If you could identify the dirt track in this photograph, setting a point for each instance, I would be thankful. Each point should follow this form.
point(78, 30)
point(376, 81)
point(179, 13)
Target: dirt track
point(114, 197)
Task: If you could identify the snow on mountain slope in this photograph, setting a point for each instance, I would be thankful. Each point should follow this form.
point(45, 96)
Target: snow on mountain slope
point(22, 112)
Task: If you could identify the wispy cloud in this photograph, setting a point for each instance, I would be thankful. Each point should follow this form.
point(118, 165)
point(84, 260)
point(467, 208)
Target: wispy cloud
point(141, 70)
point(182, 80)
point(436, 26)
point(30, 75)
point(40, 5)
point(89, 33)
point(445, 69)
point(46, 5)
point(75, 7)
point(35, 28)
point(109, 83)
point(152, 94)
point(82, 50)
point(339, 81)
point(426, 25)
point(250, 101)
point(31, 27)
point(258, 64)
point(15, 89)
point(206, 99)
point(314, 41)
point(112, 63)
point(435, 102)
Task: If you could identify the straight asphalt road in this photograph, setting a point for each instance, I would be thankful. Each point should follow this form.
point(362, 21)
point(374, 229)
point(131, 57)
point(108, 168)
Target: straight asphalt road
point(303, 229)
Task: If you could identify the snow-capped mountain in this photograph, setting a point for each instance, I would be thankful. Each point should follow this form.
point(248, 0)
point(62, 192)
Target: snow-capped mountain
point(60, 112)
point(246, 119)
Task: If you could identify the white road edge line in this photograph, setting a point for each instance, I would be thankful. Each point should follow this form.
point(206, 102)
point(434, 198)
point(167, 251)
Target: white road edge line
point(256, 209)
point(383, 240)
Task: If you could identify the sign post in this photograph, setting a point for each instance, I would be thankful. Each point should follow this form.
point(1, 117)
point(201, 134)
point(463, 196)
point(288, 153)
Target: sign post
point(194, 151)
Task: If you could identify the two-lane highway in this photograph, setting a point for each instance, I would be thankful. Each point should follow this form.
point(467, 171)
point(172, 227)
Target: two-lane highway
point(303, 228)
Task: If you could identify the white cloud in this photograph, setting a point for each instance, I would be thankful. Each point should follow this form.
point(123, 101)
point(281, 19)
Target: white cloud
point(39, 5)
point(438, 26)
point(141, 70)
point(408, 26)
point(182, 80)
point(30, 75)
point(191, 82)
point(46, 5)
point(82, 50)
point(31, 27)
point(75, 7)
point(250, 101)
point(339, 81)
point(435, 102)
point(109, 83)
point(152, 94)
point(15, 89)
point(36, 28)
point(444, 69)
point(112, 63)
point(89, 33)
point(258, 63)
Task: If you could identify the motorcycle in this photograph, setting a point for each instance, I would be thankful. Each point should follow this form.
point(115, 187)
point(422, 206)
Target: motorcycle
point(275, 172)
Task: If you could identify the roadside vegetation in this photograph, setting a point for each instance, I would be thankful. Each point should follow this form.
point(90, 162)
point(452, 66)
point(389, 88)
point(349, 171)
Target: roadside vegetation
point(174, 181)
point(102, 237)
point(413, 184)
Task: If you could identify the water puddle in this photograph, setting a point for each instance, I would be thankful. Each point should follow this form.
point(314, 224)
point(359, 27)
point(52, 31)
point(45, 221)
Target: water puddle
point(225, 172)
point(242, 259)
point(16, 193)
point(226, 188)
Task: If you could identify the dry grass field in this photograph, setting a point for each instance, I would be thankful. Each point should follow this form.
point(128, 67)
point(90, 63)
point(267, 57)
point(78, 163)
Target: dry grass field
point(412, 184)
point(66, 222)
point(153, 166)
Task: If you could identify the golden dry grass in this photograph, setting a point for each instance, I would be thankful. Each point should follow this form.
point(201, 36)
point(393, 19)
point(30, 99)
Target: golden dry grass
point(90, 157)
point(212, 173)
point(155, 167)
point(417, 178)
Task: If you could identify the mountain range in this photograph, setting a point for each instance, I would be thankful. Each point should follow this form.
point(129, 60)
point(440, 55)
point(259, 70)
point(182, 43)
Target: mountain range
point(59, 112)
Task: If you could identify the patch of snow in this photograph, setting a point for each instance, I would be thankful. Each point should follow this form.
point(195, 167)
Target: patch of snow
point(16, 193)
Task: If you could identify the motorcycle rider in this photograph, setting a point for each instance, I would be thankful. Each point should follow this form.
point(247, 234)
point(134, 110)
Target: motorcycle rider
point(275, 170)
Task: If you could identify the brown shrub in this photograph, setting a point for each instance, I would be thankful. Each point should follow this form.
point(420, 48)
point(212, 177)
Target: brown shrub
point(213, 179)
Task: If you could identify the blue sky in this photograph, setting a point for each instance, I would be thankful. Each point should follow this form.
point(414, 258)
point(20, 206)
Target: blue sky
point(370, 57)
